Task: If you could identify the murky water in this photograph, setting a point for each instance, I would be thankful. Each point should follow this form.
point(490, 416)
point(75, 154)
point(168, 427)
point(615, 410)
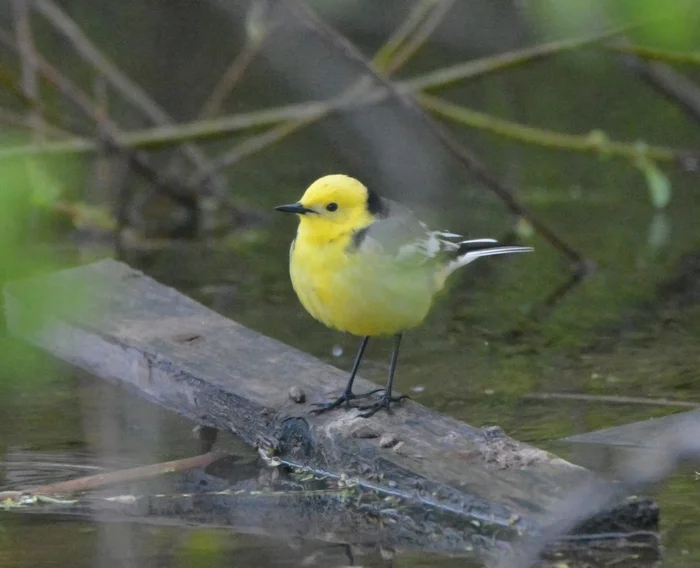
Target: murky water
point(614, 334)
point(630, 329)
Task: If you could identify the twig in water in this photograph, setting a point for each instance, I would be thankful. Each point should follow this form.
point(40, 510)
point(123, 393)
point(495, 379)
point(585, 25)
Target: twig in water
point(610, 399)
point(100, 480)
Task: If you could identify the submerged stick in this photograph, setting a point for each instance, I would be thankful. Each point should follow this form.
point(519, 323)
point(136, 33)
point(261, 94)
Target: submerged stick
point(100, 480)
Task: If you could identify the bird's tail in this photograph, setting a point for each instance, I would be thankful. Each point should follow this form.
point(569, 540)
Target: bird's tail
point(469, 251)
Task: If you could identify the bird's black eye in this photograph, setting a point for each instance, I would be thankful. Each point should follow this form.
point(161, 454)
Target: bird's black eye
point(331, 207)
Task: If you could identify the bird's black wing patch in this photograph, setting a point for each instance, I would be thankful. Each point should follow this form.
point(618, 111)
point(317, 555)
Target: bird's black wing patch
point(359, 236)
point(376, 205)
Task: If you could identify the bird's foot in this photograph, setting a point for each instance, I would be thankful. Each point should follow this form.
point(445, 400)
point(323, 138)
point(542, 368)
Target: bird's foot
point(343, 400)
point(384, 402)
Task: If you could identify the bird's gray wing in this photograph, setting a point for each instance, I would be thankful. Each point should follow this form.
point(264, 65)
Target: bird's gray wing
point(399, 234)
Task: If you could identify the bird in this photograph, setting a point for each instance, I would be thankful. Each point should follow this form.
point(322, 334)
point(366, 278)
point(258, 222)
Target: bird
point(366, 265)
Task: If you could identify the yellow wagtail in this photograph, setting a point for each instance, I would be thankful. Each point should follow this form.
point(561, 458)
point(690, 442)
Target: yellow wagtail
point(366, 265)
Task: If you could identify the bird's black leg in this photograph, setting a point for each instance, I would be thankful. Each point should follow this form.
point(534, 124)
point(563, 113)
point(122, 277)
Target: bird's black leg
point(386, 399)
point(347, 395)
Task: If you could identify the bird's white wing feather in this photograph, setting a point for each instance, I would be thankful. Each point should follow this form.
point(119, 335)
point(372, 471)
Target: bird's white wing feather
point(403, 238)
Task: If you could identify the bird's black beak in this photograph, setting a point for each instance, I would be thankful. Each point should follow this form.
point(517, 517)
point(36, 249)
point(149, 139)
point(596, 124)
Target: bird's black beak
point(294, 208)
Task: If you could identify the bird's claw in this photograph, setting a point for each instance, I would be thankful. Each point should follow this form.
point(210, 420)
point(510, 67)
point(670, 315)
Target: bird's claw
point(343, 400)
point(384, 402)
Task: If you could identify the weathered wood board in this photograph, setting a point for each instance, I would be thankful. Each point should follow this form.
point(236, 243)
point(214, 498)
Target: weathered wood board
point(651, 440)
point(646, 434)
point(182, 355)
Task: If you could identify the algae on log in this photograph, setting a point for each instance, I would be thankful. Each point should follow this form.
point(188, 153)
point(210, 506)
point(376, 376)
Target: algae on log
point(176, 352)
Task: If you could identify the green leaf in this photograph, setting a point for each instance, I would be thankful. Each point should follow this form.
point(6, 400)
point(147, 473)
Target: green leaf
point(659, 231)
point(523, 228)
point(657, 182)
point(44, 189)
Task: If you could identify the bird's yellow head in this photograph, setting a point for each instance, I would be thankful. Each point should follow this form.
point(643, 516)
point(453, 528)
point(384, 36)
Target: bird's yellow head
point(334, 205)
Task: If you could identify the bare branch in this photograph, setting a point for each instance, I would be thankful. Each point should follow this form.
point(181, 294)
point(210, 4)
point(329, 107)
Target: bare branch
point(419, 11)
point(595, 142)
point(418, 38)
point(110, 131)
point(27, 54)
point(128, 89)
point(506, 194)
point(669, 82)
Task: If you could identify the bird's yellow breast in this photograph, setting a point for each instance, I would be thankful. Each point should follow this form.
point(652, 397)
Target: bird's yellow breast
point(358, 292)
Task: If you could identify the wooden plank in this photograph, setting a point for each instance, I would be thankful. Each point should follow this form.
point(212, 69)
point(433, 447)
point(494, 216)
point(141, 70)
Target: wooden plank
point(646, 434)
point(608, 449)
point(178, 353)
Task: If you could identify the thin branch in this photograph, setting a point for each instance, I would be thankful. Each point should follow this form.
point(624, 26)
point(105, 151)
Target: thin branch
point(253, 145)
point(254, 43)
point(111, 133)
point(15, 119)
point(229, 79)
point(258, 33)
point(594, 142)
point(300, 111)
point(27, 55)
point(648, 53)
point(276, 134)
point(306, 113)
point(419, 37)
point(128, 89)
point(100, 480)
point(442, 78)
point(419, 11)
point(610, 399)
point(670, 83)
point(506, 194)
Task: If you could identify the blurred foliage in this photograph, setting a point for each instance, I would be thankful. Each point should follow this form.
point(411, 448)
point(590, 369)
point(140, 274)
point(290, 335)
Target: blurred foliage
point(28, 187)
point(665, 24)
point(658, 183)
point(671, 24)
